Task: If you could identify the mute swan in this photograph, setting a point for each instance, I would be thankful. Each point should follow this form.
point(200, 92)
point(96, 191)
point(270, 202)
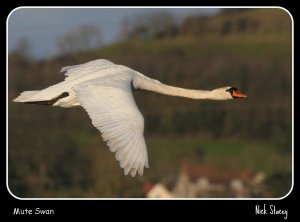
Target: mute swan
point(104, 90)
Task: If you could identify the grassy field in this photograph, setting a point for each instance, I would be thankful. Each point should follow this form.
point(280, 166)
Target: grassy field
point(90, 170)
point(254, 156)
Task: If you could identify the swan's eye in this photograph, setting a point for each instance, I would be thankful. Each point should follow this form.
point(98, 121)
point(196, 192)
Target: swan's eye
point(231, 89)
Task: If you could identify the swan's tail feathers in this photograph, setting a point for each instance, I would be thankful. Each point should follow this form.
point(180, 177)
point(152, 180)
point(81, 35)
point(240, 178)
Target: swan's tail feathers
point(25, 96)
point(30, 98)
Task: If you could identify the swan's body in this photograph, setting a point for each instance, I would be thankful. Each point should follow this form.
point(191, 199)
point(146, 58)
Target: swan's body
point(104, 90)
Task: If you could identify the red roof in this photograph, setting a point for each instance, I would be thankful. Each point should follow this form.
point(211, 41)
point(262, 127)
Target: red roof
point(215, 174)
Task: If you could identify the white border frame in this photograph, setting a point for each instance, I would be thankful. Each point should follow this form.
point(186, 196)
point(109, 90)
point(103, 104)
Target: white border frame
point(119, 7)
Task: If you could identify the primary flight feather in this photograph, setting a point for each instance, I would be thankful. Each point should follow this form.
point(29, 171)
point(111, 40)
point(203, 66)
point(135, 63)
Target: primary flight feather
point(104, 90)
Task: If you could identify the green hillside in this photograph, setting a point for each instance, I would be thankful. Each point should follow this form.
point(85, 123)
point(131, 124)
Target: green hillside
point(248, 23)
point(56, 152)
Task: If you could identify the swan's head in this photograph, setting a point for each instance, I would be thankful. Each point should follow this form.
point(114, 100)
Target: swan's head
point(226, 93)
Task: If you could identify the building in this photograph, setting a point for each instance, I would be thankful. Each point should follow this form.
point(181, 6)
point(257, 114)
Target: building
point(209, 182)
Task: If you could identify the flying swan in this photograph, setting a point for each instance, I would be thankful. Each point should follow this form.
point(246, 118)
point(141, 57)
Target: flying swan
point(104, 90)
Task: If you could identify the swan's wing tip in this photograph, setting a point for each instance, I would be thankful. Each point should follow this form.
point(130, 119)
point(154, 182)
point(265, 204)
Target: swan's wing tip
point(134, 171)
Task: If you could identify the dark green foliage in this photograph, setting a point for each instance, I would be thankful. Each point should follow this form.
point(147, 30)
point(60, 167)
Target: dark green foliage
point(279, 183)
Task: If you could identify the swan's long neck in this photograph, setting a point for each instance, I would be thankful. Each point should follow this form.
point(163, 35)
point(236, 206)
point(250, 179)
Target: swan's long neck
point(155, 86)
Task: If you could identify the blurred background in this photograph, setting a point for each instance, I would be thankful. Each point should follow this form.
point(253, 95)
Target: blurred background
point(196, 148)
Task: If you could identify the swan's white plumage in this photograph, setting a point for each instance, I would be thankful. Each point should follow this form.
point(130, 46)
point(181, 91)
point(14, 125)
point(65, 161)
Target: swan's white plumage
point(115, 114)
point(104, 90)
point(79, 71)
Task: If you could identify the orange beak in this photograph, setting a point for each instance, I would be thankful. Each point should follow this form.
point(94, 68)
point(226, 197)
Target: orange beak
point(239, 95)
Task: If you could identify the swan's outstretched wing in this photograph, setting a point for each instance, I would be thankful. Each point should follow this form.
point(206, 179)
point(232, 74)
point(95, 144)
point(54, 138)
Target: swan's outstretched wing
point(78, 71)
point(113, 111)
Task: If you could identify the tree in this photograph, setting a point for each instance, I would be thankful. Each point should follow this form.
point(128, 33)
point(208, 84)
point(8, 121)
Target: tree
point(85, 38)
point(22, 49)
point(157, 25)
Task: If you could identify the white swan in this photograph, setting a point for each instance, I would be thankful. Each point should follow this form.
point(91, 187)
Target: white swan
point(104, 90)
